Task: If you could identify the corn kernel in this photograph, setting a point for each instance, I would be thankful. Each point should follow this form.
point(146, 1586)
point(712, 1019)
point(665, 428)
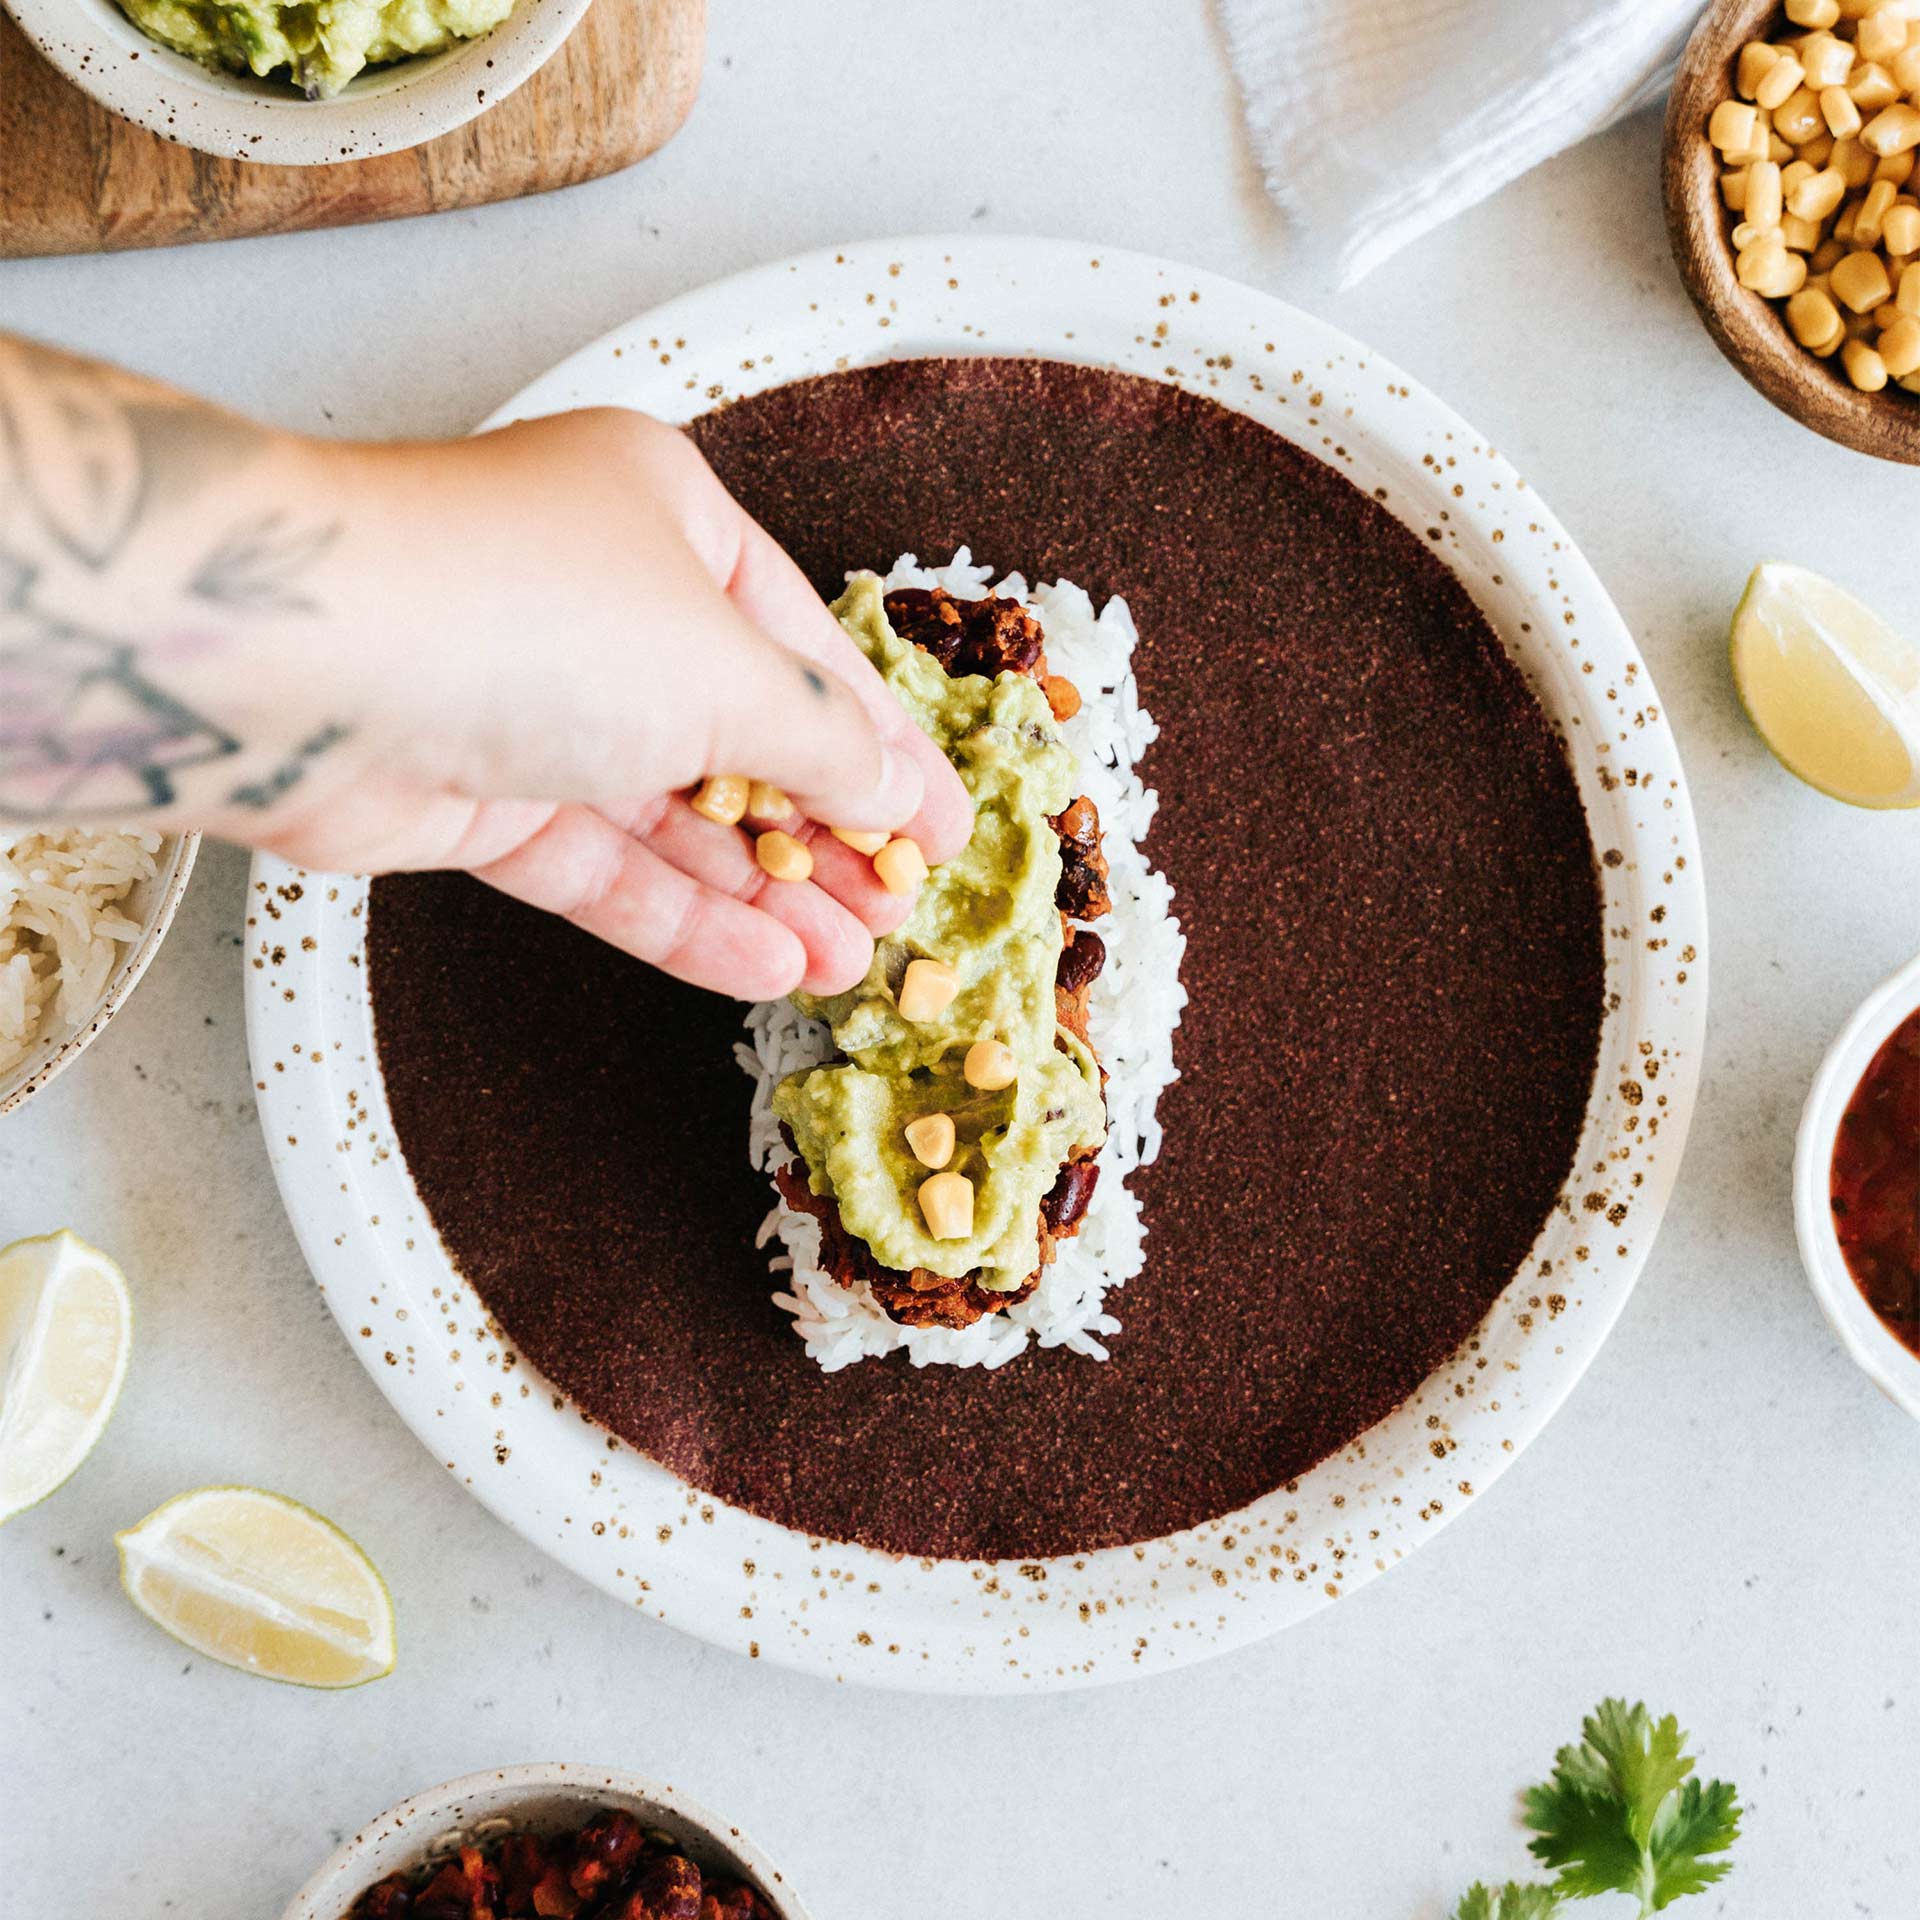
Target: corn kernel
point(1839, 112)
point(946, 1204)
point(1872, 87)
point(1880, 36)
point(1860, 280)
point(1763, 196)
point(1896, 167)
point(1818, 197)
point(1812, 317)
point(860, 840)
point(1813, 13)
point(1900, 347)
point(1827, 61)
point(1852, 161)
point(1894, 129)
point(1864, 366)
point(1779, 83)
point(1872, 214)
point(930, 1139)
point(721, 799)
point(1798, 118)
point(1908, 298)
point(901, 866)
point(765, 801)
point(927, 990)
point(1755, 58)
point(783, 857)
point(1732, 126)
point(1801, 235)
point(1760, 262)
point(990, 1065)
point(1733, 189)
point(1906, 69)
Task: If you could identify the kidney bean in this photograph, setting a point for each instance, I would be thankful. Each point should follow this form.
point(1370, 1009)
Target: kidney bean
point(1080, 961)
point(1063, 1207)
point(606, 1850)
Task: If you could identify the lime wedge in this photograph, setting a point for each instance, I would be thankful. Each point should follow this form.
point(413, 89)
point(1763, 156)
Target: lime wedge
point(259, 1582)
point(1831, 688)
point(66, 1328)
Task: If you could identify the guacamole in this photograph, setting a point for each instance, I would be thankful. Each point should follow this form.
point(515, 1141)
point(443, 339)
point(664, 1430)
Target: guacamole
point(989, 913)
point(319, 45)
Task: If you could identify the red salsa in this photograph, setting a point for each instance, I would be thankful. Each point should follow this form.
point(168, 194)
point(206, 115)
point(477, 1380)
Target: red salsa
point(612, 1869)
point(1875, 1182)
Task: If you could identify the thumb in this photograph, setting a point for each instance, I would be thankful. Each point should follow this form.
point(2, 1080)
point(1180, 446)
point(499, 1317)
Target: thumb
point(776, 716)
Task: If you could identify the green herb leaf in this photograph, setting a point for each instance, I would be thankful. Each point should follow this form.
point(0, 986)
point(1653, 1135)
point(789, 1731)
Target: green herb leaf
point(1585, 1836)
point(1511, 1902)
point(1704, 1819)
point(1621, 1815)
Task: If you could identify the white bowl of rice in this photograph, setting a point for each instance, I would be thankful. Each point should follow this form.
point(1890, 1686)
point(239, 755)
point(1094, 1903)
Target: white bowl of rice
point(81, 917)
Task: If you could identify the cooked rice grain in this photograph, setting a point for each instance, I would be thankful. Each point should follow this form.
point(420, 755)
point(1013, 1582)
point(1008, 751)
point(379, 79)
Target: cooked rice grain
point(1133, 1009)
point(62, 934)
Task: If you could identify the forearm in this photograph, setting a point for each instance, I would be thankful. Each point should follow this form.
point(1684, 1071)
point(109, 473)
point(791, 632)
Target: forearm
point(165, 577)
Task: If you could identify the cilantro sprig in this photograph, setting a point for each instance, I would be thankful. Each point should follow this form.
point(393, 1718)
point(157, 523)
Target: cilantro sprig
point(1622, 1813)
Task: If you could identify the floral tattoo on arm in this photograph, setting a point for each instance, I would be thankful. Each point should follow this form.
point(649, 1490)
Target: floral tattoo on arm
point(98, 596)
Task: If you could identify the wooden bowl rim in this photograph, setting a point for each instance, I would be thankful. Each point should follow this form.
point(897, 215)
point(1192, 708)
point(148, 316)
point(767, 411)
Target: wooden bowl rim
point(1747, 328)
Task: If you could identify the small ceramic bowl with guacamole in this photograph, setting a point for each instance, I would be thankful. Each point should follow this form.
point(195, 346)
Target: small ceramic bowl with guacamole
point(306, 84)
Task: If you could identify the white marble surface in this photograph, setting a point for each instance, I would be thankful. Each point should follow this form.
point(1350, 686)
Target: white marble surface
point(1721, 1520)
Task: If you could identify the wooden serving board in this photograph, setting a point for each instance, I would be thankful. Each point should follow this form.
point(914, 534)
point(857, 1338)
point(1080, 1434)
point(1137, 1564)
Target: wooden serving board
point(75, 178)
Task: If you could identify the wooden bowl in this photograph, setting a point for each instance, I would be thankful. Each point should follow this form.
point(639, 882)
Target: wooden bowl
point(1749, 330)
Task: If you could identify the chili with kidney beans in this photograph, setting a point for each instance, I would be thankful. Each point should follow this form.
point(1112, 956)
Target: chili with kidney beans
point(611, 1869)
point(1875, 1182)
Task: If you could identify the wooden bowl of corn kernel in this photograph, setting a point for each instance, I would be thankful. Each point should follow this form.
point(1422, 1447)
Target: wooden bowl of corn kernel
point(1792, 176)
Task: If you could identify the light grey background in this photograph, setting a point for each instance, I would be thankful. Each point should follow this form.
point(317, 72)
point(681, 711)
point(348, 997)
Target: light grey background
point(1723, 1518)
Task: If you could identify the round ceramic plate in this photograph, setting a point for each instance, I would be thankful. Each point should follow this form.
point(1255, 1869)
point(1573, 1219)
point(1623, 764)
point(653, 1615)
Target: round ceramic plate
point(851, 1612)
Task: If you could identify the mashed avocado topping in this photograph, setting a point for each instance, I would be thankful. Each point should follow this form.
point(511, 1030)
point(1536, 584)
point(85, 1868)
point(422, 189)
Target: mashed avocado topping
point(989, 913)
point(319, 45)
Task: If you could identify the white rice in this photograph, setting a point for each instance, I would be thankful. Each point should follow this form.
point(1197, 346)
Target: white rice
point(62, 934)
point(1133, 1009)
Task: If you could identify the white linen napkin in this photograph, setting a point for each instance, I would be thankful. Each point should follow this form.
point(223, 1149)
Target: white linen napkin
point(1376, 120)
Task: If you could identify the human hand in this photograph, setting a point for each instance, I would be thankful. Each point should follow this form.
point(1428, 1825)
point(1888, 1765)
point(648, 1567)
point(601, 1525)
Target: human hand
point(512, 654)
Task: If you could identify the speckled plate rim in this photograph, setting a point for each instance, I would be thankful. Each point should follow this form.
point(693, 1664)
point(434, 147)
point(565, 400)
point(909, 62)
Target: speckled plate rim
point(427, 1823)
point(851, 1613)
point(169, 888)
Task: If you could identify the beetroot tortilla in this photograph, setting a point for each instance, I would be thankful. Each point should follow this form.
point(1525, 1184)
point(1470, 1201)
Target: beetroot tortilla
point(1382, 866)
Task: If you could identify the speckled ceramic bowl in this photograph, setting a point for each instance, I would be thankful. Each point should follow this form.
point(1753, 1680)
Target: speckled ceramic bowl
point(1891, 1366)
point(153, 903)
point(384, 110)
point(849, 1612)
point(546, 1798)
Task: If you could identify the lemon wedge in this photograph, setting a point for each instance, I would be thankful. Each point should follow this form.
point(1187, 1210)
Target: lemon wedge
point(66, 1328)
point(259, 1582)
point(1830, 687)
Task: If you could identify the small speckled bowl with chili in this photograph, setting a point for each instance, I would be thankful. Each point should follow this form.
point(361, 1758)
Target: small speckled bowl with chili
point(1856, 1171)
point(555, 1801)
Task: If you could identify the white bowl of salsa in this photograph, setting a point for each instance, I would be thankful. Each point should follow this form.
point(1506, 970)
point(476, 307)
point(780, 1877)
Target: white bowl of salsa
point(1856, 1187)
